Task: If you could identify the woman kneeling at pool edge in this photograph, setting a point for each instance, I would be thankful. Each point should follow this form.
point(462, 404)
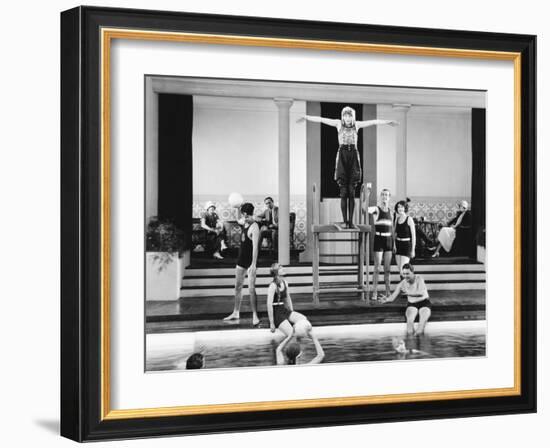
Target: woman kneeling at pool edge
point(283, 317)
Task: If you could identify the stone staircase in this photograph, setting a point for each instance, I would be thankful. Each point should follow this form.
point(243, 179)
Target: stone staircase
point(217, 282)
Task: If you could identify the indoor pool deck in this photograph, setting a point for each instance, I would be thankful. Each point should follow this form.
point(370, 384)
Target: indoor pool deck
point(201, 314)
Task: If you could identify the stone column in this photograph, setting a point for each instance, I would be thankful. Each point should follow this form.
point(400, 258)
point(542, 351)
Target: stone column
point(400, 111)
point(283, 105)
point(151, 150)
point(313, 173)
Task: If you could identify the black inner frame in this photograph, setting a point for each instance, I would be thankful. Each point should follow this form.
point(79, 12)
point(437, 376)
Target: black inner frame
point(80, 218)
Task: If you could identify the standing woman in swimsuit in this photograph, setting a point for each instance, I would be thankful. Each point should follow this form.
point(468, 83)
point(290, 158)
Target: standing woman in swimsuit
point(418, 299)
point(283, 317)
point(404, 235)
point(383, 240)
point(246, 265)
point(347, 171)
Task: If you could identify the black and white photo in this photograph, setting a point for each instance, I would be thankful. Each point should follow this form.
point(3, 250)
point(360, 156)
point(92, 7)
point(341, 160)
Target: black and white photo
point(297, 223)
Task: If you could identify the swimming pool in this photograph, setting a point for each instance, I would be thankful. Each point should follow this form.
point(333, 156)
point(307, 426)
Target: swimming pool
point(343, 343)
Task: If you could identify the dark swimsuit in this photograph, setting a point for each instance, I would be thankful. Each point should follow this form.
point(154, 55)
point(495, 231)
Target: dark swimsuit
point(422, 304)
point(281, 312)
point(382, 234)
point(403, 240)
point(245, 250)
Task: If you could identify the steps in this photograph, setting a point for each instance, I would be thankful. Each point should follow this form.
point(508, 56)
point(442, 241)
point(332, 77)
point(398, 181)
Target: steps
point(220, 282)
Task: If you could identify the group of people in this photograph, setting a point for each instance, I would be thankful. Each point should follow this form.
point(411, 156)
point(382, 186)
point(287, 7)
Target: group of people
point(216, 236)
point(395, 233)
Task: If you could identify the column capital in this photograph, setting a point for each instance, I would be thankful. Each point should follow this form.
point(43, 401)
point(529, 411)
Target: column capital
point(283, 102)
point(401, 107)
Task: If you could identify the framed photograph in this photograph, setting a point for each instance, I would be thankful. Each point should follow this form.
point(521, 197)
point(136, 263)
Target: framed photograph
point(276, 224)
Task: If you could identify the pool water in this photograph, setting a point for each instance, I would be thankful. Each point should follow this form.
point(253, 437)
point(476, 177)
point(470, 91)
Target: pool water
point(338, 349)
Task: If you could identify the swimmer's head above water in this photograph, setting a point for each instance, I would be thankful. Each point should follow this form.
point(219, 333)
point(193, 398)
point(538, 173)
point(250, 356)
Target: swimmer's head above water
point(399, 345)
point(195, 361)
point(293, 352)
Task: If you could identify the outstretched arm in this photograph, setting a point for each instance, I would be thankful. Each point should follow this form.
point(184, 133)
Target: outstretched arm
point(395, 294)
point(314, 119)
point(318, 348)
point(279, 352)
point(366, 124)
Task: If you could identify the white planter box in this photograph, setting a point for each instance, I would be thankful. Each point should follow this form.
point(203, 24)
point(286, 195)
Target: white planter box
point(481, 254)
point(163, 275)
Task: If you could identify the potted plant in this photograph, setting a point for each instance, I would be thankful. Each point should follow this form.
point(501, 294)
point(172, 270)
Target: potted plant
point(480, 239)
point(164, 247)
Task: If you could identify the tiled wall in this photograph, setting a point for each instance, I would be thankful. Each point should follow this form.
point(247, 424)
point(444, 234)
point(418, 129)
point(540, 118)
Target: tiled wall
point(227, 213)
point(432, 209)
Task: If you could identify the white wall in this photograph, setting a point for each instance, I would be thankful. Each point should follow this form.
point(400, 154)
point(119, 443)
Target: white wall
point(30, 186)
point(235, 146)
point(439, 152)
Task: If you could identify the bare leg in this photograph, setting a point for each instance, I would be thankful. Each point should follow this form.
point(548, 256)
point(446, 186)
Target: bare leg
point(239, 280)
point(344, 202)
point(387, 267)
point(424, 315)
point(410, 314)
point(399, 264)
point(351, 204)
point(344, 208)
point(377, 263)
point(295, 316)
point(253, 299)
point(401, 260)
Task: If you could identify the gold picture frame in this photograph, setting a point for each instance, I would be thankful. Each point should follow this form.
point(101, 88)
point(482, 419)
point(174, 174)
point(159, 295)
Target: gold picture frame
point(105, 26)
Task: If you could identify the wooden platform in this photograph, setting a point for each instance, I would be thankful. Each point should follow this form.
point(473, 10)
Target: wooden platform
point(334, 228)
point(360, 283)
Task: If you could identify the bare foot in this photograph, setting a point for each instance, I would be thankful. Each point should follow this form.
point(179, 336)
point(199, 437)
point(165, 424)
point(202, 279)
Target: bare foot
point(235, 315)
point(255, 321)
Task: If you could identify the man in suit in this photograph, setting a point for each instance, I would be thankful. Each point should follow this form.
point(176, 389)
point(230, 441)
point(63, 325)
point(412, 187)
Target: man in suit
point(269, 222)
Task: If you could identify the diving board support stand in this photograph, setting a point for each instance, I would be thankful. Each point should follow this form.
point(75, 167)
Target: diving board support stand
point(361, 230)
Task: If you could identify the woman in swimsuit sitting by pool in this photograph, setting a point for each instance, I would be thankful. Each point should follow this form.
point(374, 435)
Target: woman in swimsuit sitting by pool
point(418, 300)
point(283, 317)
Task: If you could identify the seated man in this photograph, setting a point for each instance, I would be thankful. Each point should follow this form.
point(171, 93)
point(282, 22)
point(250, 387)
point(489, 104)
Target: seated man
point(211, 222)
point(447, 234)
point(269, 222)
